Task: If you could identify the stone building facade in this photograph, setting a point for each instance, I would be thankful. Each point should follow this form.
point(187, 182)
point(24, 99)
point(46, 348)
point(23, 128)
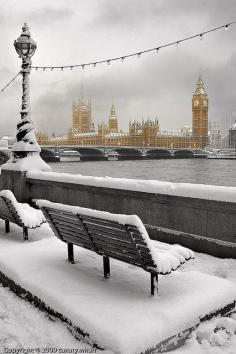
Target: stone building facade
point(144, 133)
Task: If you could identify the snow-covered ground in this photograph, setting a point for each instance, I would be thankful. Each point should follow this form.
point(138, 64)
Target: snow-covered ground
point(23, 326)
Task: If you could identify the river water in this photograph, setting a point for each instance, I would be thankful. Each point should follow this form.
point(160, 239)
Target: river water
point(205, 171)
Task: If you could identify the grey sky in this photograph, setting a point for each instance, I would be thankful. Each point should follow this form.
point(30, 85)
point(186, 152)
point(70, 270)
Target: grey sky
point(75, 31)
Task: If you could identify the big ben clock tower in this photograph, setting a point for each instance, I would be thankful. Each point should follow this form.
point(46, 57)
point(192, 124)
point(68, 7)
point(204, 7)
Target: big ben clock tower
point(200, 115)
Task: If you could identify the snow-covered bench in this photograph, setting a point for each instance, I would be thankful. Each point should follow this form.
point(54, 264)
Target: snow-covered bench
point(122, 237)
point(21, 214)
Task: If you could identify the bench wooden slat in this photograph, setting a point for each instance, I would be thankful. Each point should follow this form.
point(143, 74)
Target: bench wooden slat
point(122, 246)
point(108, 249)
point(108, 238)
point(71, 227)
point(60, 216)
point(59, 211)
point(76, 236)
point(5, 210)
point(108, 231)
point(115, 245)
point(79, 244)
point(10, 212)
point(131, 254)
point(120, 257)
point(76, 241)
point(65, 221)
point(102, 222)
point(7, 215)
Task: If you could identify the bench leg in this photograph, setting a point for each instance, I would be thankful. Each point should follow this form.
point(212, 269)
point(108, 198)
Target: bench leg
point(7, 226)
point(154, 283)
point(106, 267)
point(70, 253)
point(25, 233)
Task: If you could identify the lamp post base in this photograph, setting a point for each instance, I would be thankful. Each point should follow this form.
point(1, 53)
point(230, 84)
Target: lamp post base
point(25, 161)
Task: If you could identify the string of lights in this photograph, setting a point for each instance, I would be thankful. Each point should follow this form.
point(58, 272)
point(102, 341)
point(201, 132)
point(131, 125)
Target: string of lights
point(123, 57)
point(136, 54)
point(9, 83)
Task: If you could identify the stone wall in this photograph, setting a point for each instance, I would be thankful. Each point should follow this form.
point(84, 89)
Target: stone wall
point(205, 225)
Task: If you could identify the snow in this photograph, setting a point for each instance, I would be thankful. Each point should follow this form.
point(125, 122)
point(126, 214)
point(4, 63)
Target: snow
point(23, 326)
point(31, 162)
point(217, 336)
point(30, 217)
point(202, 191)
point(3, 143)
point(119, 313)
point(167, 257)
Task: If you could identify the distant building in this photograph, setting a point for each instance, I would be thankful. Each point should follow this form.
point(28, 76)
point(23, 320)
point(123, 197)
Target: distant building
point(215, 138)
point(144, 133)
point(232, 136)
point(200, 115)
point(81, 116)
point(113, 121)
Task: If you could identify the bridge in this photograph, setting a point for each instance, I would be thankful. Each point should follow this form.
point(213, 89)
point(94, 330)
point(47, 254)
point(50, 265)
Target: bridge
point(102, 153)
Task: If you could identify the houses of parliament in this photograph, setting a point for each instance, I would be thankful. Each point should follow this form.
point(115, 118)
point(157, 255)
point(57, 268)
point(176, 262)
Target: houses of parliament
point(145, 133)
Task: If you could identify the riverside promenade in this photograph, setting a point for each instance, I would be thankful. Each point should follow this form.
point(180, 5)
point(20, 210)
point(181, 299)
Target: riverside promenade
point(39, 272)
point(200, 217)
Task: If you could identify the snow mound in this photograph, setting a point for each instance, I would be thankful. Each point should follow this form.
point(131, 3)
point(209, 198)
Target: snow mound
point(29, 216)
point(166, 257)
point(30, 162)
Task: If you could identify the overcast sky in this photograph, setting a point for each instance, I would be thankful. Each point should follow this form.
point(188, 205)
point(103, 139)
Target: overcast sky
point(76, 31)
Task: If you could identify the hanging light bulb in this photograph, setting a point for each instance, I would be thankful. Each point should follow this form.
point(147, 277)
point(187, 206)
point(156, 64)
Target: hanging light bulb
point(51, 68)
point(226, 27)
point(36, 69)
point(71, 68)
point(62, 68)
point(94, 65)
point(44, 69)
point(177, 43)
point(139, 55)
point(201, 36)
point(108, 62)
point(122, 59)
point(157, 49)
point(83, 66)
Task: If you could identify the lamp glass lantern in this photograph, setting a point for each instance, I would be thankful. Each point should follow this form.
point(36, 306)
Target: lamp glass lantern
point(25, 46)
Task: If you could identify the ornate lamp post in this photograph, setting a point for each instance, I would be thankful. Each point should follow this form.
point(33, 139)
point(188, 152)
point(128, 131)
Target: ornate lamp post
point(26, 143)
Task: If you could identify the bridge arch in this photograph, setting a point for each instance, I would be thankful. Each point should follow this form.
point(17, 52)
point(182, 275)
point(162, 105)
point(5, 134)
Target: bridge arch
point(88, 153)
point(158, 153)
point(126, 153)
point(183, 154)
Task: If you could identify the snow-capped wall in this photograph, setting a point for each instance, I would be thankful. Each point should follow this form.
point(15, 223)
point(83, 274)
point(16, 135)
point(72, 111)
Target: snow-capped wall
point(201, 191)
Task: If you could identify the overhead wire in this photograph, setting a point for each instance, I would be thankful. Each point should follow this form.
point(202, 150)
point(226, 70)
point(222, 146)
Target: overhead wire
point(138, 54)
point(108, 61)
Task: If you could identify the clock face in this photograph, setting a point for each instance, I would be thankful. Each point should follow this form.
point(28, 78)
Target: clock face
point(204, 103)
point(195, 103)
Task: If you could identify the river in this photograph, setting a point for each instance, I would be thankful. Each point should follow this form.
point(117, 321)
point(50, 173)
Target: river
point(205, 171)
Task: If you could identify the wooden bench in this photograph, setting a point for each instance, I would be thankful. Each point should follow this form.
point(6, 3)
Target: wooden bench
point(22, 215)
point(122, 237)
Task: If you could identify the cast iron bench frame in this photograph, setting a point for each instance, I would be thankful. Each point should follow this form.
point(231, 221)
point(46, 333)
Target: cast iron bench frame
point(8, 213)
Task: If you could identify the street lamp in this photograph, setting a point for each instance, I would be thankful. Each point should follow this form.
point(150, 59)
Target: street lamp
point(26, 143)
